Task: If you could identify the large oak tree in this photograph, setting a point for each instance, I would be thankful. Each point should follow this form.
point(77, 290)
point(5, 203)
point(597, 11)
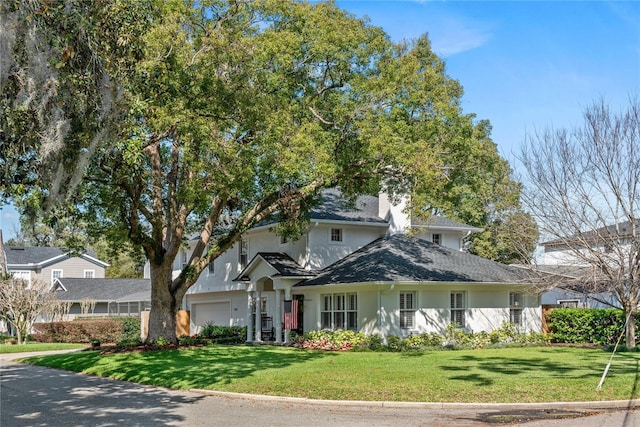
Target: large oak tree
point(241, 110)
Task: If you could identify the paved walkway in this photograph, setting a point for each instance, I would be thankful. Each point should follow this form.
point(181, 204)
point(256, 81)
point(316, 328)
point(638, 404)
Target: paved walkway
point(38, 396)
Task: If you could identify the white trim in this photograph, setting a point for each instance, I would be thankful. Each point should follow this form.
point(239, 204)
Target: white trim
point(53, 271)
point(92, 276)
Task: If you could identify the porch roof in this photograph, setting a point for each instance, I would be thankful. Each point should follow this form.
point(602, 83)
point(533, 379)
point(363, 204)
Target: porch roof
point(400, 258)
point(284, 265)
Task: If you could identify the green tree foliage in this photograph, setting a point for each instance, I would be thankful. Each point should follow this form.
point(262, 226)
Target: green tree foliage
point(237, 111)
point(61, 64)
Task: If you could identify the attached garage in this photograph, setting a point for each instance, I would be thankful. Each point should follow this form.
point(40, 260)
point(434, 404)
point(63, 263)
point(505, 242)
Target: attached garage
point(218, 313)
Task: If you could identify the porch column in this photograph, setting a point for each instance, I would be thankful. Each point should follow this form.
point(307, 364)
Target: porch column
point(249, 323)
point(287, 332)
point(278, 317)
point(258, 323)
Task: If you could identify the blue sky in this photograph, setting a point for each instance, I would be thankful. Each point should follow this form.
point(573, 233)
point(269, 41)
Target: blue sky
point(524, 65)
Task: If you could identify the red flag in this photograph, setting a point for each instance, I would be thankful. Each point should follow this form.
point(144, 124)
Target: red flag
point(291, 314)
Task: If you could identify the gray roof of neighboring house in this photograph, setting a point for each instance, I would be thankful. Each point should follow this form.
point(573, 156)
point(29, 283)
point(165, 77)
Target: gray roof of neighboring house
point(104, 290)
point(400, 258)
point(622, 229)
point(281, 262)
point(26, 255)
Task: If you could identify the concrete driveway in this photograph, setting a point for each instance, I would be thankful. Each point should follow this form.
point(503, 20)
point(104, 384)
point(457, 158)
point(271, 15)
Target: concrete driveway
point(37, 396)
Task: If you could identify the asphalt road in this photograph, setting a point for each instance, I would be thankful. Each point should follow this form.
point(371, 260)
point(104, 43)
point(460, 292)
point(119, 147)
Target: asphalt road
point(37, 396)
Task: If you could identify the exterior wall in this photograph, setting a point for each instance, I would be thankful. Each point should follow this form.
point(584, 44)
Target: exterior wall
point(71, 268)
point(487, 307)
point(323, 252)
point(398, 219)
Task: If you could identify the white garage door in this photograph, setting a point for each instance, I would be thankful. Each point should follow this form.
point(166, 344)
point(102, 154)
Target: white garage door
point(218, 313)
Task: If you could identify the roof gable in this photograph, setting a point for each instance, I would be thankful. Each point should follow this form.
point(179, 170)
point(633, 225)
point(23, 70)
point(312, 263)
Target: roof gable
point(282, 263)
point(23, 256)
point(400, 258)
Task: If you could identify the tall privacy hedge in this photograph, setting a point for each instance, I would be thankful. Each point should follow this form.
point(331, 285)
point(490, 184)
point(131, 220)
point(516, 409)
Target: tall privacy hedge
point(85, 331)
point(587, 325)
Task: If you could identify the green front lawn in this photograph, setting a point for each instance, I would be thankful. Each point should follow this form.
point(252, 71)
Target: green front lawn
point(38, 346)
point(491, 375)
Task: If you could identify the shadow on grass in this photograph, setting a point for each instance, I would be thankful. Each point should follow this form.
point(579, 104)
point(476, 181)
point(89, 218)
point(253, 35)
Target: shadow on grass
point(36, 396)
point(204, 367)
point(586, 364)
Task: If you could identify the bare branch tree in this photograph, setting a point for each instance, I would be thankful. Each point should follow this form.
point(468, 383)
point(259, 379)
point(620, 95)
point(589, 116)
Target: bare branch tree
point(21, 304)
point(582, 188)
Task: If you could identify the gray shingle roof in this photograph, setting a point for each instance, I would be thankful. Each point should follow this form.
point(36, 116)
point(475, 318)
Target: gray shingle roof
point(31, 255)
point(102, 290)
point(335, 208)
point(440, 221)
point(281, 262)
point(400, 258)
point(35, 255)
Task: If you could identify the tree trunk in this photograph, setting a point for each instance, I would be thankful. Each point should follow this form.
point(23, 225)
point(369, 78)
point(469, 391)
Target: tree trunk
point(165, 304)
point(631, 329)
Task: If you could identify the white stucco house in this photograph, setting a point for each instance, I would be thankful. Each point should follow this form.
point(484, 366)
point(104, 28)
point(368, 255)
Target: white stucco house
point(368, 268)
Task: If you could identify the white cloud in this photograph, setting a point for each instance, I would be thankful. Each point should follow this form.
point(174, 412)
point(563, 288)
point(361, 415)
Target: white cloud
point(453, 36)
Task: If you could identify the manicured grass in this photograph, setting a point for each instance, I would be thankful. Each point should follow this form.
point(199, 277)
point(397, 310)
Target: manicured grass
point(491, 375)
point(38, 346)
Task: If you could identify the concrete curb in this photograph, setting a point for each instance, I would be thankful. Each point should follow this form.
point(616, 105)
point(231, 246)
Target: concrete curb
point(603, 404)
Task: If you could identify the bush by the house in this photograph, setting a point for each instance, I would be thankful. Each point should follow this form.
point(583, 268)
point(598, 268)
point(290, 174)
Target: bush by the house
point(587, 325)
point(215, 334)
point(453, 338)
point(113, 330)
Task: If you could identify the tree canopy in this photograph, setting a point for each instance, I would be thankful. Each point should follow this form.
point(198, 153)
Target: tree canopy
point(233, 111)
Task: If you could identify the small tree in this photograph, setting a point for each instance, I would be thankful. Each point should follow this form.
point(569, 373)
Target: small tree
point(584, 190)
point(20, 304)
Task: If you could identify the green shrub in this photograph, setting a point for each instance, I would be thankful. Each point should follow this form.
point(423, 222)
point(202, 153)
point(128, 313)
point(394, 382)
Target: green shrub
point(587, 325)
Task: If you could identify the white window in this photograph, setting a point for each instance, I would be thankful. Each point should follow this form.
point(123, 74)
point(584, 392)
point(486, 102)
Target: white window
point(183, 257)
point(436, 238)
point(407, 310)
point(243, 253)
point(569, 303)
point(457, 309)
point(89, 274)
point(336, 235)
point(211, 266)
point(515, 308)
point(22, 275)
point(339, 311)
point(56, 274)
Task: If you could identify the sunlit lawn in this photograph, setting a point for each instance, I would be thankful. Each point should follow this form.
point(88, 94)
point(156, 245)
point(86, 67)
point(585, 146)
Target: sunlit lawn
point(492, 375)
point(38, 346)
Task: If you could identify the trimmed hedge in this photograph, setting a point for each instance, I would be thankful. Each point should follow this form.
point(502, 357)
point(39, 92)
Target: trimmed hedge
point(600, 326)
point(86, 331)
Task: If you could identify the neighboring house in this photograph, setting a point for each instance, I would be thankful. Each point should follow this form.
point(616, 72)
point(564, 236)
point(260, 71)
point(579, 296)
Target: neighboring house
point(104, 297)
point(560, 259)
point(366, 268)
point(50, 263)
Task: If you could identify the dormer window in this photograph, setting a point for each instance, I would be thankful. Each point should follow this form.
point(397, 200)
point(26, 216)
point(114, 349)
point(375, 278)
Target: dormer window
point(436, 238)
point(336, 235)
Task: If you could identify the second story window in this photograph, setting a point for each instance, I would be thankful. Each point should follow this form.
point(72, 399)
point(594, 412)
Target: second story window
point(243, 253)
point(436, 238)
point(183, 257)
point(56, 274)
point(211, 265)
point(336, 235)
point(89, 274)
